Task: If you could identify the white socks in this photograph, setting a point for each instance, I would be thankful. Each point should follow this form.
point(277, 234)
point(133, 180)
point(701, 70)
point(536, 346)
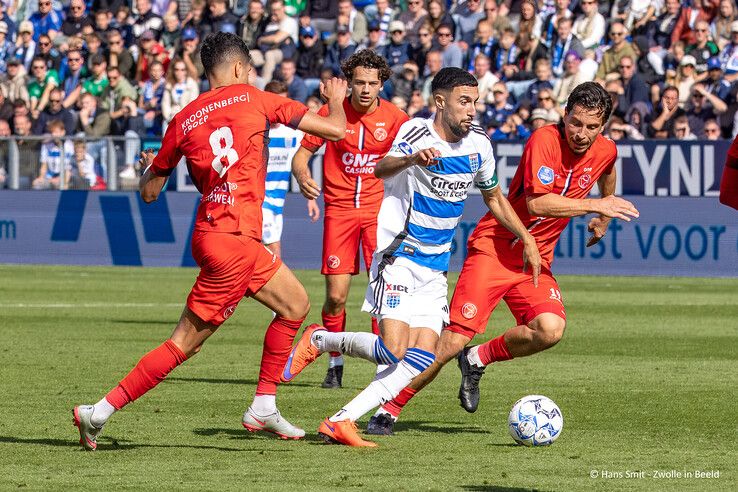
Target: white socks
point(473, 356)
point(335, 361)
point(101, 412)
point(385, 386)
point(348, 343)
point(264, 405)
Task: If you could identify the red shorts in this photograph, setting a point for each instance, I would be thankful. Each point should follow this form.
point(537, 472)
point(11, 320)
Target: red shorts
point(231, 266)
point(343, 230)
point(486, 278)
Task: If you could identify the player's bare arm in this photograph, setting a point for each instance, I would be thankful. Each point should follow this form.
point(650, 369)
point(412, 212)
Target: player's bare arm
point(300, 169)
point(333, 126)
point(555, 205)
point(598, 225)
point(150, 185)
point(500, 207)
point(390, 165)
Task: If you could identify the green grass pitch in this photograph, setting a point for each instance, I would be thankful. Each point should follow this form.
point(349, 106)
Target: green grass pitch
point(646, 378)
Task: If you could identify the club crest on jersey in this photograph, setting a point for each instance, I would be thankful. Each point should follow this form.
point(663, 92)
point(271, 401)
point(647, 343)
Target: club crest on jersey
point(584, 181)
point(333, 262)
point(546, 175)
point(469, 310)
point(380, 134)
point(392, 300)
point(228, 312)
point(474, 162)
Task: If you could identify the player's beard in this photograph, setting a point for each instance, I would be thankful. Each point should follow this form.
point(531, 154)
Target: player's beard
point(456, 128)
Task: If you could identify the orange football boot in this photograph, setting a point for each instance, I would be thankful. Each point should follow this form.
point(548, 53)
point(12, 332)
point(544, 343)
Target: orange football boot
point(343, 432)
point(302, 355)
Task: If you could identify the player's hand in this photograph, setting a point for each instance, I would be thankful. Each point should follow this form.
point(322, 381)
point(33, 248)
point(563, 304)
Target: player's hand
point(313, 210)
point(598, 227)
point(425, 157)
point(308, 187)
point(147, 158)
point(532, 259)
point(617, 208)
point(334, 88)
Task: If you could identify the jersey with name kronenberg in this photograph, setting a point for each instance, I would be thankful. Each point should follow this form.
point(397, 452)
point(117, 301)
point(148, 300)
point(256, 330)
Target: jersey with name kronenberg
point(423, 205)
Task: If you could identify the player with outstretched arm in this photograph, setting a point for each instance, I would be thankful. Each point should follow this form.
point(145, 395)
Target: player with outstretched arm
point(223, 136)
point(427, 174)
point(351, 192)
point(560, 165)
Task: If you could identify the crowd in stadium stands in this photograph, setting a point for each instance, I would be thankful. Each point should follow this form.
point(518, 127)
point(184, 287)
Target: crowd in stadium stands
point(109, 67)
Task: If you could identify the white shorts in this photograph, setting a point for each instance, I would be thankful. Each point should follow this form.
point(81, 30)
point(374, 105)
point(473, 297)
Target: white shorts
point(404, 291)
point(271, 226)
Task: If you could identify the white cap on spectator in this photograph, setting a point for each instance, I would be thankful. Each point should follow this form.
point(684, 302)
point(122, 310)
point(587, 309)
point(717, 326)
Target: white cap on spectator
point(3, 27)
point(25, 26)
point(734, 26)
point(539, 114)
point(688, 60)
point(396, 26)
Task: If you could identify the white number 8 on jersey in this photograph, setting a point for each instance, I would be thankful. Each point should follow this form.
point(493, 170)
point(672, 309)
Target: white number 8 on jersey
point(221, 141)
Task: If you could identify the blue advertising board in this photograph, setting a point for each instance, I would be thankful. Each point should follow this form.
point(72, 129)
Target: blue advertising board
point(674, 235)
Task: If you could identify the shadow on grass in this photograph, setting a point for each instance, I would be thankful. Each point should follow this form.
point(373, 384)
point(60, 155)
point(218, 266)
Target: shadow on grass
point(405, 425)
point(113, 444)
point(144, 321)
point(497, 488)
point(251, 382)
point(242, 433)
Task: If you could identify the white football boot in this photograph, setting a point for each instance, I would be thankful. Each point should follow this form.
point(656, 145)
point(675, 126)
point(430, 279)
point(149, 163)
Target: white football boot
point(273, 423)
point(87, 432)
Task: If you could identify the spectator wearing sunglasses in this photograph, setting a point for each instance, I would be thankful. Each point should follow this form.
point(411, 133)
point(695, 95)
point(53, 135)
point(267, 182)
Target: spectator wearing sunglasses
point(55, 111)
point(46, 20)
point(77, 18)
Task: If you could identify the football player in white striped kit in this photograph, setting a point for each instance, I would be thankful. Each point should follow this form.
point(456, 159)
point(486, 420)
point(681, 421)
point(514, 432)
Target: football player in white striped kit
point(428, 172)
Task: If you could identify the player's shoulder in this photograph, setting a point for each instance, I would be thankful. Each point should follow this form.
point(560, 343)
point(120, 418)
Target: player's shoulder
point(605, 147)
point(414, 130)
point(479, 136)
point(388, 109)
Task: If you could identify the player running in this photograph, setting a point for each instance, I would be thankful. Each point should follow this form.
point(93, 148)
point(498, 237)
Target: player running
point(560, 165)
point(352, 193)
point(283, 143)
point(223, 135)
point(427, 173)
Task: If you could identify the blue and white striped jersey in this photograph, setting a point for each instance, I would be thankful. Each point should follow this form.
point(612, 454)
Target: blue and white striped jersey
point(422, 206)
point(283, 144)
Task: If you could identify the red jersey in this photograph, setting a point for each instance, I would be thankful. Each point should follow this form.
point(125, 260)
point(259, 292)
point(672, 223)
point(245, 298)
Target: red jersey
point(548, 166)
point(224, 136)
point(348, 165)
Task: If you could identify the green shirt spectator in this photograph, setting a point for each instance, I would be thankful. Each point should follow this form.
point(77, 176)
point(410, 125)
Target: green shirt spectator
point(36, 87)
point(97, 83)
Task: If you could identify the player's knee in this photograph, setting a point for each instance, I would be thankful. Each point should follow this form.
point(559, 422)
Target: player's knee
point(549, 329)
point(334, 303)
point(397, 348)
point(298, 308)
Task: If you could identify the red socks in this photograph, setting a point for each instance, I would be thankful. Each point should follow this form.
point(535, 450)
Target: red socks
point(150, 371)
point(494, 351)
point(729, 187)
point(395, 406)
point(334, 324)
point(277, 347)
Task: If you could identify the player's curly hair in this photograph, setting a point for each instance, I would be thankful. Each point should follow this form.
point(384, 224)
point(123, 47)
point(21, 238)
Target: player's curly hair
point(222, 47)
point(591, 95)
point(448, 78)
point(366, 59)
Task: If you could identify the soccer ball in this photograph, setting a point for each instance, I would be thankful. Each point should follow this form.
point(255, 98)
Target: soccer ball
point(535, 421)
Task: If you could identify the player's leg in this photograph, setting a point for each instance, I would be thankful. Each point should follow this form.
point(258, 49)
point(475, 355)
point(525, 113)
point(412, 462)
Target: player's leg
point(368, 246)
point(226, 266)
point(541, 319)
point(341, 235)
point(271, 231)
point(276, 287)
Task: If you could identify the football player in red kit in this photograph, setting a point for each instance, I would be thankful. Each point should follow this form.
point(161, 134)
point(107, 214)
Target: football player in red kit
point(351, 192)
point(729, 182)
point(560, 165)
point(224, 135)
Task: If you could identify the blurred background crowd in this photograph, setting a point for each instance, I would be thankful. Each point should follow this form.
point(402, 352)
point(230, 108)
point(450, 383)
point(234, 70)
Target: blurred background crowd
point(76, 70)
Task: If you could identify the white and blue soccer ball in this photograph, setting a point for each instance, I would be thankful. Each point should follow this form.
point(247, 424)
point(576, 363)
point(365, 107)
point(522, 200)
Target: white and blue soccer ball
point(535, 421)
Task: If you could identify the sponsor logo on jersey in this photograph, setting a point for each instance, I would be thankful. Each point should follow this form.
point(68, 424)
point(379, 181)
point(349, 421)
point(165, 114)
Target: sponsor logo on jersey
point(405, 148)
point(359, 163)
point(546, 175)
point(396, 288)
point(584, 181)
point(474, 162)
point(444, 188)
point(333, 262)
point(380, 134)
point(469, 310)
point(392, 300)
point(228, 312)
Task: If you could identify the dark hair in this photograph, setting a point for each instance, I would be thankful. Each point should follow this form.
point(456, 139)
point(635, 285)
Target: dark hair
point(591, 95)
point(670, 88)
point(58, 124)
point(366, 59)
point(222, 47)
point(448, 78)
point(276, 87)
